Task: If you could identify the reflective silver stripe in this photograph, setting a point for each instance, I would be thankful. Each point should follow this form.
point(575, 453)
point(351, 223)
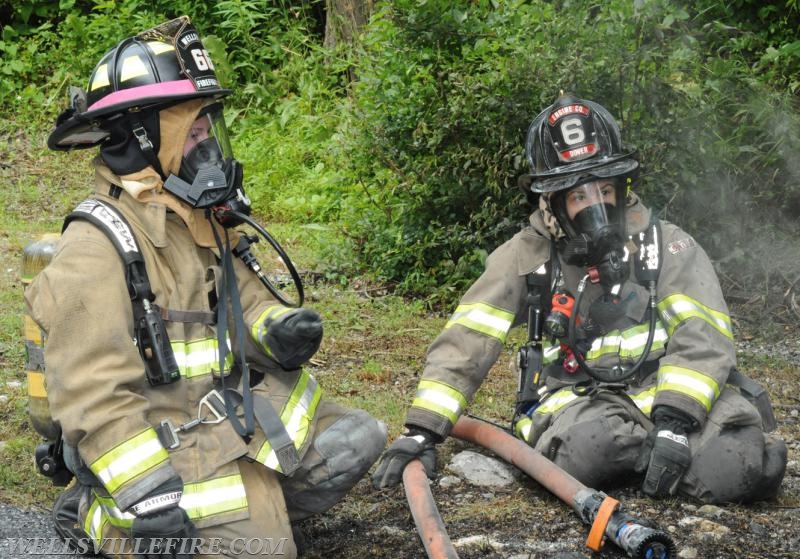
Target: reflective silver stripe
point(258, 330)
point(644, 400)
point(199, 357)
point(523, 428)
point(296, 416)
point(440, 398)
point(200, 499)
point(126, 461)
point(628, 343)
point(556, 401)
point(692, 383)
point(213, 497)
point(94, 521)
point(113, 515)
point(486, 319)
point(678, 308)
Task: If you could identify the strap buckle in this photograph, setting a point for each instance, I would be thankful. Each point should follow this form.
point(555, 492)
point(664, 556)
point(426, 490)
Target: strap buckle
point(214, 403)
point(168, 434)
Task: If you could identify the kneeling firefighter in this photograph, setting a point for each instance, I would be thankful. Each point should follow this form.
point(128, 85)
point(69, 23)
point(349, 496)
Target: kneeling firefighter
point(174, 377)
point(630, 364)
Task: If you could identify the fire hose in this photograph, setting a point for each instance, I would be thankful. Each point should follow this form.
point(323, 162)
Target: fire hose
point(602, 513)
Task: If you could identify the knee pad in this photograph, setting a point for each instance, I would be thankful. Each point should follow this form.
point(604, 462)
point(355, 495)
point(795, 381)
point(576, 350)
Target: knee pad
point(351, 444)
point(737, 466)
point(598, 453)
point(340, 456)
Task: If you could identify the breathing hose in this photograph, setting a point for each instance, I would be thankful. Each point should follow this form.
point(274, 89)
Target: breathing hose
point(616, 374)
point(242, 251)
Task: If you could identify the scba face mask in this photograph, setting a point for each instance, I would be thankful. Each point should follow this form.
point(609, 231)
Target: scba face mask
point(593, 217)
point(209, 176)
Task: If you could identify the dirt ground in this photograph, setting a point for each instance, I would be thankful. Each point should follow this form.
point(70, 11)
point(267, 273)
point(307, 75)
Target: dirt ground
point(529, 522)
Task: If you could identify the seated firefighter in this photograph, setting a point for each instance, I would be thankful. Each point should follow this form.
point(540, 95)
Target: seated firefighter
point(630, 366)
point(177, 379)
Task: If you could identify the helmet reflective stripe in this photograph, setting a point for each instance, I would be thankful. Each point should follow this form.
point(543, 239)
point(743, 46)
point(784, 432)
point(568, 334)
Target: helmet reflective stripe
point(481, 317)
point(296, 416)
point(440, 399)
point(175, 88)
point(135, 457)
point(678, 308)
point(100, 78)
point(694, 384)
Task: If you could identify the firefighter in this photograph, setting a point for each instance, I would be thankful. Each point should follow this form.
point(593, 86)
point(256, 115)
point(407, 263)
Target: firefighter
point(634, 371)
point(239, 442)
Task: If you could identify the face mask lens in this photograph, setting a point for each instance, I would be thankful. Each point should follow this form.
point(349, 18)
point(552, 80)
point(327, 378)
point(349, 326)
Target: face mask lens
point(207, 144)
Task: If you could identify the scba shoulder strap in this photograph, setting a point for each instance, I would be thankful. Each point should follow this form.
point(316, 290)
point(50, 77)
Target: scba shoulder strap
point(151, 334)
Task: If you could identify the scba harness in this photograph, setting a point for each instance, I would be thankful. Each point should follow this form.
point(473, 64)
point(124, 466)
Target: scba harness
point(551, 310)
point(158, 357)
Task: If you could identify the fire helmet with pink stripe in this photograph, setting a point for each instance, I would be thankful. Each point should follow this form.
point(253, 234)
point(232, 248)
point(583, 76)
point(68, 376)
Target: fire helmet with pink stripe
point(155, 69)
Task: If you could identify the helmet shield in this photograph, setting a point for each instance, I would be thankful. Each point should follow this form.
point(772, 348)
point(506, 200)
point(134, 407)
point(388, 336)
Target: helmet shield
point(574, 141)
point(207, 144)
point(209, 176)
point(157, 68)
point(592, 216)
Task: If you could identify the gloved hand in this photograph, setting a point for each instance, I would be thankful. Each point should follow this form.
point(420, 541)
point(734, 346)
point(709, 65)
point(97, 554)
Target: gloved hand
point(415, 443)
point(665, 454)
point(293, 336)
point(159, 519)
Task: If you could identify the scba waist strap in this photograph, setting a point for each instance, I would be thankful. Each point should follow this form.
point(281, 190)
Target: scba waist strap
point(210, 411)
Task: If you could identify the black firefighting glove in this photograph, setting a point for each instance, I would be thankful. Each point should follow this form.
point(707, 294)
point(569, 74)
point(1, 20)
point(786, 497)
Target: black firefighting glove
point(293, 336)
point(665, 455)
point(164, 529)
point(414, 443)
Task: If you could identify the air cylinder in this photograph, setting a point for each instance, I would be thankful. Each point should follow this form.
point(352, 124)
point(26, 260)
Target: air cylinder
point(35, 256)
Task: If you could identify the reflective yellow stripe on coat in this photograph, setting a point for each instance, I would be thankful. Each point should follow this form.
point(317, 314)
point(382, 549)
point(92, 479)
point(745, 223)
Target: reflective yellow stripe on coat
point(694, 384)
point(678, 308)
point(440, 399)
point(258, 329)
point(486, 319)
point(296, 416)
point(199, 357)
point(129, 460)
point(628, 343)
point(201, 500)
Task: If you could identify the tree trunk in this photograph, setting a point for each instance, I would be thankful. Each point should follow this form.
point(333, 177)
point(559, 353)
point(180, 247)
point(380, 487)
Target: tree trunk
point(343, 23)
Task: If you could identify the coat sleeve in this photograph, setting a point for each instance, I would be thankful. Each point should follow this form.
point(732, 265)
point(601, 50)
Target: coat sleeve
point(257, 305)
point(94, 374)
point(700, 353)
point(462, 354)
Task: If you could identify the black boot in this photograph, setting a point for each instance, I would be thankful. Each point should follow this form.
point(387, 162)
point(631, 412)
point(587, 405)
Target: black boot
point(65, 517)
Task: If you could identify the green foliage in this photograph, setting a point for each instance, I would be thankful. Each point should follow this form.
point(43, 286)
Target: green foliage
point(415, 163)
point(446, 92)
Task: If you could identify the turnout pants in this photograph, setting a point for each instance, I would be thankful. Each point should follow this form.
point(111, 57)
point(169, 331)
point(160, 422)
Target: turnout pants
point(597, 438)
point(345, 445)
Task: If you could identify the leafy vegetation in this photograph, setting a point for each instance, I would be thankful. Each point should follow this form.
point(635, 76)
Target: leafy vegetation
point(412, 167)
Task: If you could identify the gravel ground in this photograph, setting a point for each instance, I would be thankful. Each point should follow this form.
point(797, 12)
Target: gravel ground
point(527, 522)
